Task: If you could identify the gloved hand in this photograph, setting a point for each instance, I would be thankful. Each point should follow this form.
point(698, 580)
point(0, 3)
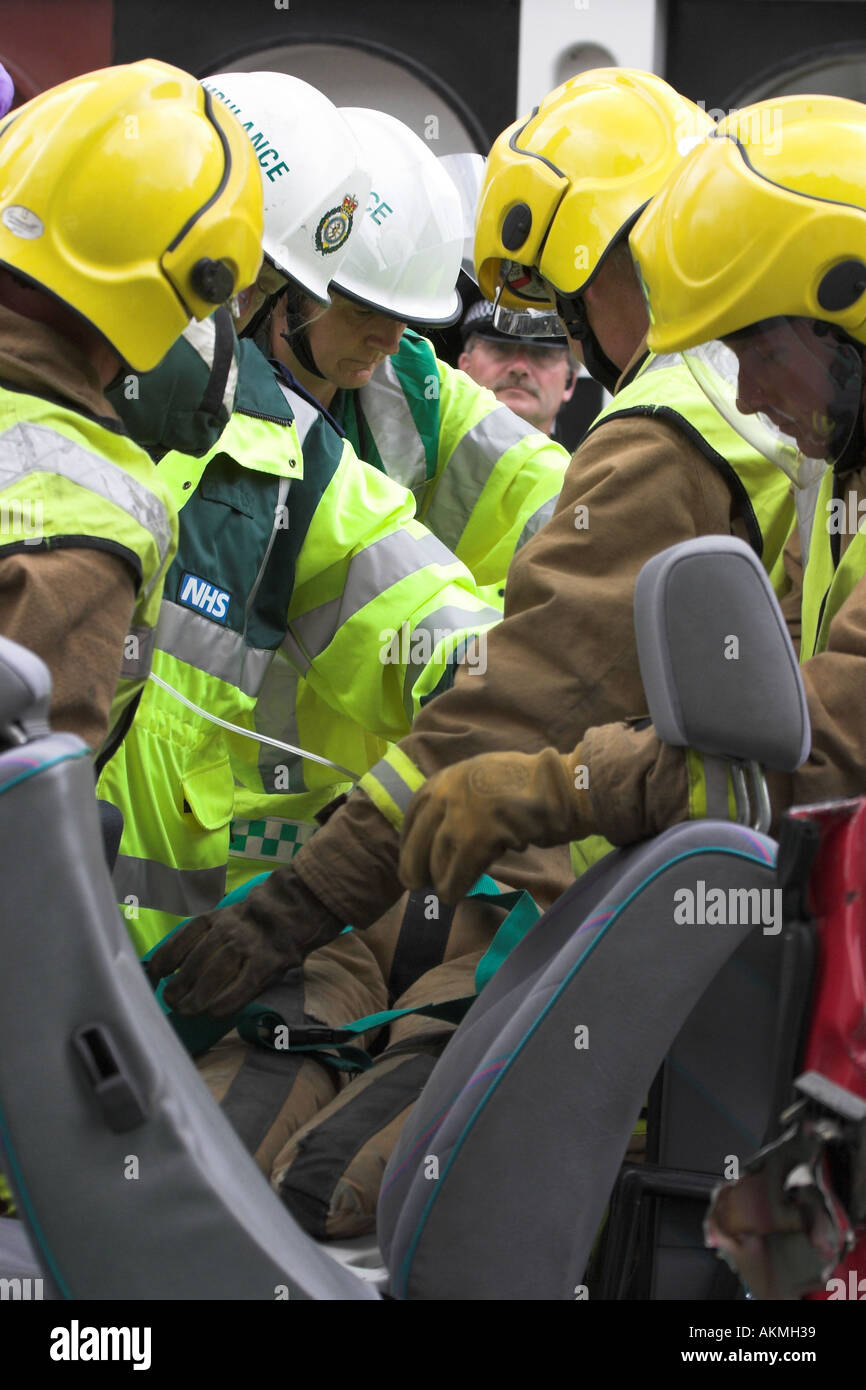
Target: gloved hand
point(228, 956)
point(467, 815)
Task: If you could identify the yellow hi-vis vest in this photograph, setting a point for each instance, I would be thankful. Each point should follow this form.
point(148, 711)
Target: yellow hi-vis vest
point(664, 388)
point(826, 585)
point(70, 479)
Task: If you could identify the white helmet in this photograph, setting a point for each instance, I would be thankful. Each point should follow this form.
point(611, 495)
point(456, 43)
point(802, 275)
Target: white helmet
point(405, 259)
point(314, 178)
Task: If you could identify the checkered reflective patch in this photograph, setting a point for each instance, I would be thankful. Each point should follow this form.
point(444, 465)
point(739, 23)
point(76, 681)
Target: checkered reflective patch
point(278, 840)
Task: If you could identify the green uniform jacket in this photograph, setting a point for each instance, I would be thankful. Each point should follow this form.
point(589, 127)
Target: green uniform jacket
point(294, 559)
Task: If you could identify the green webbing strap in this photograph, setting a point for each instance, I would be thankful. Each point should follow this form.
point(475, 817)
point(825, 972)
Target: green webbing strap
point(524, 914)
point(257, 1023)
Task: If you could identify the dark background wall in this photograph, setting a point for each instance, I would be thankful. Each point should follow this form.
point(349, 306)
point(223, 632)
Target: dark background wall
point(716, 49)
point(465, 49)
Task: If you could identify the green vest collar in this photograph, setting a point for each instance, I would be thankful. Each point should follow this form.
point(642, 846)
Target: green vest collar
point(259, 391)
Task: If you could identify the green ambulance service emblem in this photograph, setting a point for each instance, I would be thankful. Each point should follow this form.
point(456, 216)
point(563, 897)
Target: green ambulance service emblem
point(335, 226)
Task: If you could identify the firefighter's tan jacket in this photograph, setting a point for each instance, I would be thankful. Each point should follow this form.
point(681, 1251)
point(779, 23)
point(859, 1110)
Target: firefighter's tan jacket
point(564, 660)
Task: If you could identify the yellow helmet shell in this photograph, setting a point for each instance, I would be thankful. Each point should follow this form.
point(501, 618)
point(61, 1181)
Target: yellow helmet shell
point(563, 183)
point(133, 198)
point(765, 218)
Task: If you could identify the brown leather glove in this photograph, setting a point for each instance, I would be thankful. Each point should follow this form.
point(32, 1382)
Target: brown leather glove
point(467, 815)
point(228, 956)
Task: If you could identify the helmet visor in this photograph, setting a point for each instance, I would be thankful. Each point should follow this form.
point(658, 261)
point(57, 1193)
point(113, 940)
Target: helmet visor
point(543, 322)
point(528, 323)
point(466, 172)
point(791, 387)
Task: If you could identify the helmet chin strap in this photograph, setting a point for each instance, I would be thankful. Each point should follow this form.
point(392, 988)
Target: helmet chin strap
point(596, 360)
point(598, 364)
point(300, 345)
point(296, 337)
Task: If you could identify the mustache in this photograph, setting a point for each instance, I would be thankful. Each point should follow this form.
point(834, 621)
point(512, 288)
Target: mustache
point(521, 382)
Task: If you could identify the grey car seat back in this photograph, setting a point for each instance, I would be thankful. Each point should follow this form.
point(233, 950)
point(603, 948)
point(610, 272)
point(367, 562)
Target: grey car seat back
point(130, 1181)
point(715, 1100)
point(527, 1114)
point(717, 664)
point(722, 676)
point(500, 1178)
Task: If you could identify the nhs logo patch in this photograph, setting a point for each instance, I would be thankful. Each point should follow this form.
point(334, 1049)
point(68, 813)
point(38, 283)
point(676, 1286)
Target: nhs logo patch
point(206, 598)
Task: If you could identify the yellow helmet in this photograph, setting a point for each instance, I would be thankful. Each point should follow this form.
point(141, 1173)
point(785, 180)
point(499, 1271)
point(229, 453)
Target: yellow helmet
point(753, 262)
point(135, 199)
point(564, 184)
point(766, 218)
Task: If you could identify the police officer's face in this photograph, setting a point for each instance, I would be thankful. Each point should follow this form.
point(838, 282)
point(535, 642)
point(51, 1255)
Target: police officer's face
point(531, 380)
point(348, 341)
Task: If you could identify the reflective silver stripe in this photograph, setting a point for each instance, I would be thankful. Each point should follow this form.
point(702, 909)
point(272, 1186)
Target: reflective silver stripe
point(805, 502)
point(297, 657)
point(536, 521)
point(138, 653)
point(460, 620)
point(468, 470)
point(305, 414)
point(274, 714)
point(28, 448)
point(387, 413)
point(393, 783)
point(182, 892)
point(218, 651)
point(371, 573)
point(716, 776)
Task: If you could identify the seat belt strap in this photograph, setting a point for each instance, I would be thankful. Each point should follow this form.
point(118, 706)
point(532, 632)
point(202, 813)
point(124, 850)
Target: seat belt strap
point(263, 1024)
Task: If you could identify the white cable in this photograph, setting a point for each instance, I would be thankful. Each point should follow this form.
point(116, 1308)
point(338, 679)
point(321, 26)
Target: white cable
point(247, 733)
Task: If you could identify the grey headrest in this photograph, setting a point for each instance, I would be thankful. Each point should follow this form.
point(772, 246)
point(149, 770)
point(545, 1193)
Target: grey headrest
point(25, 688)
point(717, 664)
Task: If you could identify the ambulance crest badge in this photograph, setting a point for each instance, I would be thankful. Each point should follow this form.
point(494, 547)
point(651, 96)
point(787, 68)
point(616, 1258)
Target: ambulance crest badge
point(335, 226)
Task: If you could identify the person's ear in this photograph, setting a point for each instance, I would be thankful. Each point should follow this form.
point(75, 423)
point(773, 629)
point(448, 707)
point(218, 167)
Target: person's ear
point(463, 362)
point(570, 383)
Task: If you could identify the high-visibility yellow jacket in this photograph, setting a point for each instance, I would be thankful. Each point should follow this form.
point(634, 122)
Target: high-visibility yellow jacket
point(294, 559)
point(484, 480)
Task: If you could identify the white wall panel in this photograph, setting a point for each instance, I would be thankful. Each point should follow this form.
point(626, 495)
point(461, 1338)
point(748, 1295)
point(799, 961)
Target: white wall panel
point(559, 38)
